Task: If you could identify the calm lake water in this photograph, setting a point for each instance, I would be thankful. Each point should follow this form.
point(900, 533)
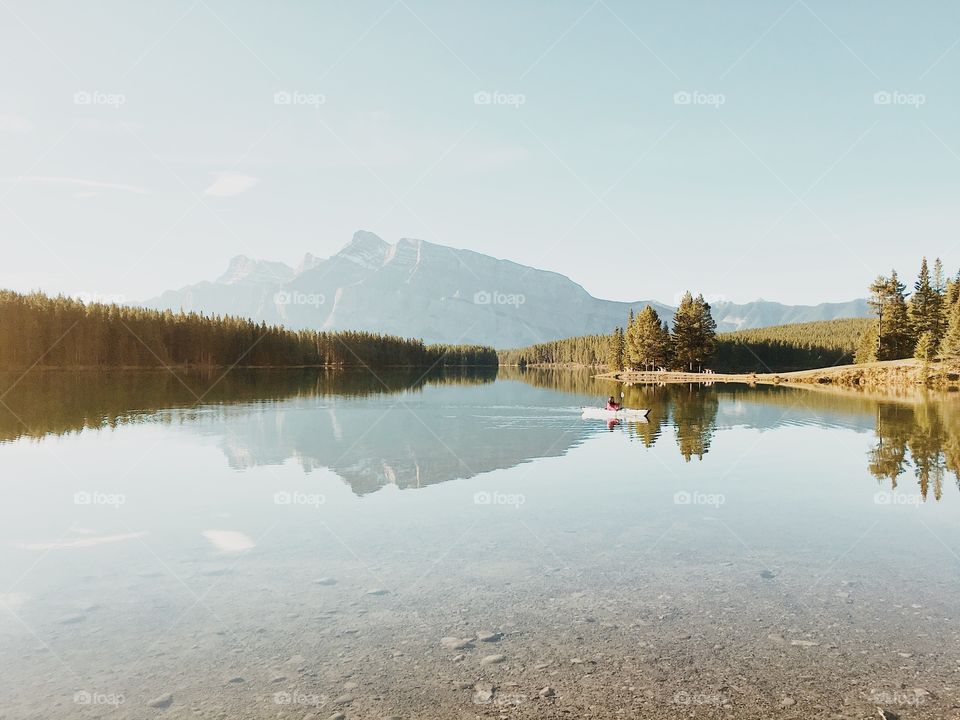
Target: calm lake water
point(277, 544)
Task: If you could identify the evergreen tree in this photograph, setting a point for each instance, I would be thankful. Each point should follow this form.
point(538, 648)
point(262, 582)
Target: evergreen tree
point(940, 289)
point(894, 337)
point(647, 344)
point(684, 333)
point(631, 356)
point(694, 333)
point(616, 350)
point(952, 295)
point(867, 348)
point(667, 341)
point(926, 347)
point(706, 330)
point(926, 306)
point(950, 346)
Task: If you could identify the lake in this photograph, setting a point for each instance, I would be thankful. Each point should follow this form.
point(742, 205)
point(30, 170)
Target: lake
point(302, 543)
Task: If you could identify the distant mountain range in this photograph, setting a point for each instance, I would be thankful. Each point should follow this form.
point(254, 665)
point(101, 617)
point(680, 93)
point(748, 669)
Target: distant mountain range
point(441, 294)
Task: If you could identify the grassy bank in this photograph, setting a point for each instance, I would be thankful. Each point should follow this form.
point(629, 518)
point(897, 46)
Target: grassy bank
point(890, 374)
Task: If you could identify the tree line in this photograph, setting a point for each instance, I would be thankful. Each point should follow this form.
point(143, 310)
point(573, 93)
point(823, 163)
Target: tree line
point(646, 342)
point(924, 324)
point(36, 329)
point(796, 346)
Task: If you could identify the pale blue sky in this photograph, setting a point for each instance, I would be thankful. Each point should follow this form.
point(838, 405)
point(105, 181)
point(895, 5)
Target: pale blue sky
point(799, 187)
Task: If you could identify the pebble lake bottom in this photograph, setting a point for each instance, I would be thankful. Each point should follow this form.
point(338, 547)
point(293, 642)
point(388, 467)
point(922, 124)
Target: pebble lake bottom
point(463, 547)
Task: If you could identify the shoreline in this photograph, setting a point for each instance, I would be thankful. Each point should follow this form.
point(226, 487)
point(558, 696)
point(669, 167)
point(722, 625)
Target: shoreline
point(887, 374)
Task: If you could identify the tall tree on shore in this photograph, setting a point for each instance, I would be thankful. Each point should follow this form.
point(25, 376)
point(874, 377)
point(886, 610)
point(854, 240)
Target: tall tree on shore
point(940, 288)
point(630, 359)
point(950, 345)
point(894, 337)
point(648, 343)
point(926, 307)
point(707, 329)
point(694, 332)
point(616, 350)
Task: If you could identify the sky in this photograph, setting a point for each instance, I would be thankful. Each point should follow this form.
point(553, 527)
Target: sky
point(789, 150)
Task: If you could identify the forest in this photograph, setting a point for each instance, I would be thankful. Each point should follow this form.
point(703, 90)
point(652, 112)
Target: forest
point(797, 346)
point(924, 324)
point(42, 331)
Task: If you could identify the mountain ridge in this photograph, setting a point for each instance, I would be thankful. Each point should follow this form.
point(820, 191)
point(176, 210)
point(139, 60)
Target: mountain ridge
point(421, 289)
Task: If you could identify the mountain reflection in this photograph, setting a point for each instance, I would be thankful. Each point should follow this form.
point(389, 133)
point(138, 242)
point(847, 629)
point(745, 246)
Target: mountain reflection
point(410, 430)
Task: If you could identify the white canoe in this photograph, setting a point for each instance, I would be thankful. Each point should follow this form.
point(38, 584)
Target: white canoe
point(590, 413)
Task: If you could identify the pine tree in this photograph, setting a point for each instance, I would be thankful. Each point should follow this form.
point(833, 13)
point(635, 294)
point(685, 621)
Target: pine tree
point(940, 290)
point(867, 348)
point(694, 332)
point(950, 345)
point(615, 351)
point(926, 305)
point(926, 348)
point(894, 337)
point(631, 355)
point(706, 330)
point(683, 337)
point(646, 343)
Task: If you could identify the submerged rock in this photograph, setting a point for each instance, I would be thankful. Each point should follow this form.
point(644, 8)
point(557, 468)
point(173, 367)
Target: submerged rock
point(455, 643)
point(165, 700)
point(493, 659)
point(483, 693)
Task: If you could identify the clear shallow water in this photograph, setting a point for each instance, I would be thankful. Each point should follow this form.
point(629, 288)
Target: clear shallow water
point(753, 552)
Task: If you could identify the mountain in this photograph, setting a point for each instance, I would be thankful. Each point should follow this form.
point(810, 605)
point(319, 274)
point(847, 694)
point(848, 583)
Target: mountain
point(420, 289)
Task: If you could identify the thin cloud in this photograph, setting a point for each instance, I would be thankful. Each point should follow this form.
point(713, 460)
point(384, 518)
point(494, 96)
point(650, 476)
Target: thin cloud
point(74, 182)
point(81, 543)
point(228, 184)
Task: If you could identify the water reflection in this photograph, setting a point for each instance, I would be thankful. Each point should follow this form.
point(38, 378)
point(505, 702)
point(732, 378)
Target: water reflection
point(411, 430)
point(922, 440)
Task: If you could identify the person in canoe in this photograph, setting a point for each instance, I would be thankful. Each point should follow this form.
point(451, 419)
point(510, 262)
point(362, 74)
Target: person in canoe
point(612, 404)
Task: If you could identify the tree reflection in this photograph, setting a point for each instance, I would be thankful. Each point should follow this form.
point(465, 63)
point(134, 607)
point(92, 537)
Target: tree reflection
point(924, 438)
